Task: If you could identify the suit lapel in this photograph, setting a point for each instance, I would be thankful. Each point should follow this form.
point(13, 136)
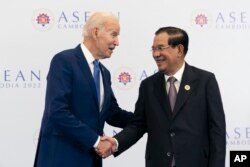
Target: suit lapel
point(86, 71)
point(161, 93)
point(186, 88)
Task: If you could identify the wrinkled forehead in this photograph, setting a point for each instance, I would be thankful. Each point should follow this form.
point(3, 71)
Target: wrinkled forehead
point(112, 25)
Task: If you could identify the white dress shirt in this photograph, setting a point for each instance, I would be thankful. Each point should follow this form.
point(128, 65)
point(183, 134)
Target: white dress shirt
point(89, 57)
point(178, 76)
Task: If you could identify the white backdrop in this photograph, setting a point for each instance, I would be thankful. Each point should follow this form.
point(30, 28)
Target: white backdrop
point(219, 42)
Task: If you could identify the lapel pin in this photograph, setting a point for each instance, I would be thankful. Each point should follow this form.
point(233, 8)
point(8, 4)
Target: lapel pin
point(187, 87)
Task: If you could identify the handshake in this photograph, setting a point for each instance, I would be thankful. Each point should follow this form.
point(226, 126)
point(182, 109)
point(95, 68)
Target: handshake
point(106, 147)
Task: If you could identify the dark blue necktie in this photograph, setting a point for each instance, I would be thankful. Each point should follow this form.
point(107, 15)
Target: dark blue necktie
point(97, 79)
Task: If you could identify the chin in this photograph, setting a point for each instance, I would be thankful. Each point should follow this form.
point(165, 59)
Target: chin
point(108, 56)
point(160, 70)
point(160, 67)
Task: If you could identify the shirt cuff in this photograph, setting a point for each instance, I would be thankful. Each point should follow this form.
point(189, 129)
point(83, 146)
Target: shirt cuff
point(97, 142)
point(117, 144)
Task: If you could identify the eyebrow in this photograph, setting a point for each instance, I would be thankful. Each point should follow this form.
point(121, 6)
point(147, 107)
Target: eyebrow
point(158, 45)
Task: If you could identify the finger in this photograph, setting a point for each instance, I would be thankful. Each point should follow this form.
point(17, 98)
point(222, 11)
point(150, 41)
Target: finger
point(105, 138)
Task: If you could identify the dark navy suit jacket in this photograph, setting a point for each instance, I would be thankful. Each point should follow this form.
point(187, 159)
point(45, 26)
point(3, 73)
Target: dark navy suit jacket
point(72, 121)
point(195, 132)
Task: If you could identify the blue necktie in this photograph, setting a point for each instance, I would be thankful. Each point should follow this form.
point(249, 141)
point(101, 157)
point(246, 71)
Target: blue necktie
point(97, 79)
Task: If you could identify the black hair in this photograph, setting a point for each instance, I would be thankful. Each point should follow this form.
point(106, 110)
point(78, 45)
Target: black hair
point(176, 36)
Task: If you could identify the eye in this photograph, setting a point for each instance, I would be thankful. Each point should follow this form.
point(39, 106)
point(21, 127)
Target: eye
point(160, 48)
point(114, 34)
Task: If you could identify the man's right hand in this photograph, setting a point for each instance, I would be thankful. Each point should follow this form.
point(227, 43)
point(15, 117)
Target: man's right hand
point(106, 147)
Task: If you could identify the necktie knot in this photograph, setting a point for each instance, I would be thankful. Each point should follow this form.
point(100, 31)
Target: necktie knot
point(171, 80)
point(96, 63)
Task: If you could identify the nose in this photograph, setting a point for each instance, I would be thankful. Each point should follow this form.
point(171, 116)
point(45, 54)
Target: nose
point(156, 53)
point(116, 41)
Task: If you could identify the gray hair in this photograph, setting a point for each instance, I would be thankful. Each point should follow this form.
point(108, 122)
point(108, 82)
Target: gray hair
point(98, 19)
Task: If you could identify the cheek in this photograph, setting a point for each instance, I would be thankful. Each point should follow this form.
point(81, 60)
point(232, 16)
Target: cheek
point(103, 46)
point(170, 59)
point(103, 40)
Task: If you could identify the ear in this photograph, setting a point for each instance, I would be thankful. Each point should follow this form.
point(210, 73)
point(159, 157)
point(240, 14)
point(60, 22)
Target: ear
point(94, 32)
point(180, 49)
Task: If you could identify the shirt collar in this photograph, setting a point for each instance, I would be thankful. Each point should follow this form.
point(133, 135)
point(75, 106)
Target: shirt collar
point(178, 74)
point(89, 57)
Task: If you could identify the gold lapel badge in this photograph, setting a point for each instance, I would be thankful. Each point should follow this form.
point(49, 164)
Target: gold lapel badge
point(187, 87)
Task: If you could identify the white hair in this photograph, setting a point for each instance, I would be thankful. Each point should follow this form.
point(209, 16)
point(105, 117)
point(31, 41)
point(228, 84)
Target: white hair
point(98, 19)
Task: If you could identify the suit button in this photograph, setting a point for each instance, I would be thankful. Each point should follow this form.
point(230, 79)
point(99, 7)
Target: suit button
point(168, 154)
point(172, 134)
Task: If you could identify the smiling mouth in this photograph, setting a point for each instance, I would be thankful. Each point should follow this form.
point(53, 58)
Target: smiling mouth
point(159, 60)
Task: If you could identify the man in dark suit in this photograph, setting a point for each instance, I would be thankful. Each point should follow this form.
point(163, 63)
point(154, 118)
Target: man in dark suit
point(186, 132)
point(75, 114)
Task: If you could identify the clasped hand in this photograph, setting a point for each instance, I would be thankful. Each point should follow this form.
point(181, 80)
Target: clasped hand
point(106, 147)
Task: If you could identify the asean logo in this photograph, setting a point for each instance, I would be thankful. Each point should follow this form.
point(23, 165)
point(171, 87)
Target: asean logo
point(201, 20)
point(124, 78)
point(43, 19)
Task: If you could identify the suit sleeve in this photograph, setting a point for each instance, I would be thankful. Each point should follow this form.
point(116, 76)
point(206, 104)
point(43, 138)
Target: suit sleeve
point(217, 125)
point(58, 97)
point(136, 127)
point(118, 117)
